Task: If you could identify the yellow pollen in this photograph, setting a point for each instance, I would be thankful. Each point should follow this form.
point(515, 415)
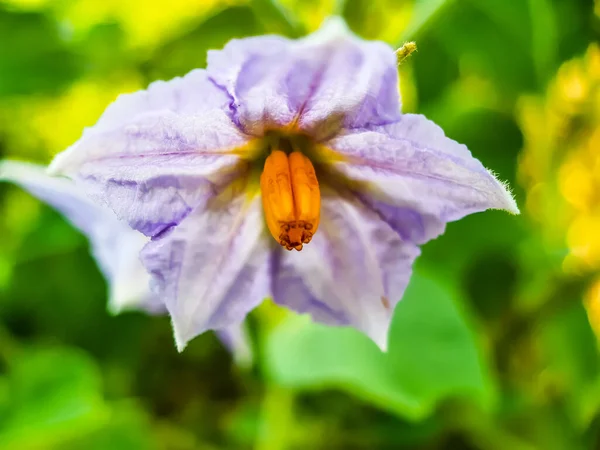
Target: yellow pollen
point(291, 198)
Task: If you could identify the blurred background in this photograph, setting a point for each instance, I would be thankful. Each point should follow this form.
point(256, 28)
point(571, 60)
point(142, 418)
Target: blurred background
point(495, 345)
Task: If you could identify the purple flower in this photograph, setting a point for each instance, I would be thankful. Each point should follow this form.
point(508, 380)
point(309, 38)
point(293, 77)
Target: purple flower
point(302, 140)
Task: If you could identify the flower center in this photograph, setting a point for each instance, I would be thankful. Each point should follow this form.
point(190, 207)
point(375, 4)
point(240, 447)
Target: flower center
point(291, 198)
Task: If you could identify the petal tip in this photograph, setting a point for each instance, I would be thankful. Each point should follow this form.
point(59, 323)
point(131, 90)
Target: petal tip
point(381, 342)
point(181, 334)
point(180, 342)
point(15, 171)
point(4, 170)
point(57, 166)
point(114, 308)
point(68, 161)
point(380, 337)
point(507, 202)
point(512, 207)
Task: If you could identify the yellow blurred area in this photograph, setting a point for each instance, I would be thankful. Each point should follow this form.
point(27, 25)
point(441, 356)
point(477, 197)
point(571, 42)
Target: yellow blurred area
point(144, 22)
point(382, 20)
point(560, 166)
point(36, 128)
point(583, 238)
point(34, 123)
point(408, 88)
point(310, 12)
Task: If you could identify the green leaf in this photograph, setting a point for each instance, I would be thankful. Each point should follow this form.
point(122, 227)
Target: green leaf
point(275, 18)
point(127, 429)
point(481, 45)
point(51, 398)
point(572, 361)
point(187, 52)
point(473, 237)
point(425, 13)
point(37, 58)
point(432, 356)
point(54, 396)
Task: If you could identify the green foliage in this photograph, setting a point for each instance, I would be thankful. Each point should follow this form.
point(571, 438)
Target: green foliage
point(33, 57)
point(432, 356)
point(53, 399)
point(187, 52)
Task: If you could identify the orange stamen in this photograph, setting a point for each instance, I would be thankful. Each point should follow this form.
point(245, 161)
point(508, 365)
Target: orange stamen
point(291, 198)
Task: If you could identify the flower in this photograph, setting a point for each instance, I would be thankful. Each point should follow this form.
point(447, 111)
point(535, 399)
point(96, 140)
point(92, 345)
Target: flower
point(300, 139)
point(114, 245)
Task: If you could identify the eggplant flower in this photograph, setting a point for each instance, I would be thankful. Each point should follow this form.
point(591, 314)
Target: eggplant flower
point(280, 145)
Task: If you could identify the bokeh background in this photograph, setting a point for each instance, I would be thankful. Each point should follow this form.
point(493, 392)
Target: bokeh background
point(492, 348)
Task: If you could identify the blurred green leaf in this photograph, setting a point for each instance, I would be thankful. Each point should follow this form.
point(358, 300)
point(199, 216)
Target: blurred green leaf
point(572, 360)
point(275, 18)
point(433, 347)
point(52, 399)
point(103, 46)
point(52, 235)
point(493, 137)
point(127, 428)
point(425, 12)
point(54, 396)
point(188, 52)
point(471, 238)
point(432, 356)
point(482, 46)
point(33, 57)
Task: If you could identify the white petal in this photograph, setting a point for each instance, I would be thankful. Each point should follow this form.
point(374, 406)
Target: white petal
point(416, 177)
point(211, 269)
point(157, 154)
point(353, 272)
point(114, 245)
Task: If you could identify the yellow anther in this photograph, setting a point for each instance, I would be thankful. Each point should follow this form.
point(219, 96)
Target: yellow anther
point(291, 198)
point(405, 51)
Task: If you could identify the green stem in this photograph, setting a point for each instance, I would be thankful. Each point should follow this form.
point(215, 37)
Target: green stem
point(277, 419)
point(339, 7)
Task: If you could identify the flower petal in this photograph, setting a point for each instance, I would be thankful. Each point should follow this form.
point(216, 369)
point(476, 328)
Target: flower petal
point(417, 178)
point(211, 269)
point(157, 154)
point(328, 79)
point(114, 245)
point(353, 272)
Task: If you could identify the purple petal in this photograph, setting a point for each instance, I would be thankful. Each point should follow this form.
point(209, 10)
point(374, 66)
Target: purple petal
point(353, 272)
point(418, 179)
point(211, 270)
point(328, 79)
point(114, 245)
point(156, 155)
